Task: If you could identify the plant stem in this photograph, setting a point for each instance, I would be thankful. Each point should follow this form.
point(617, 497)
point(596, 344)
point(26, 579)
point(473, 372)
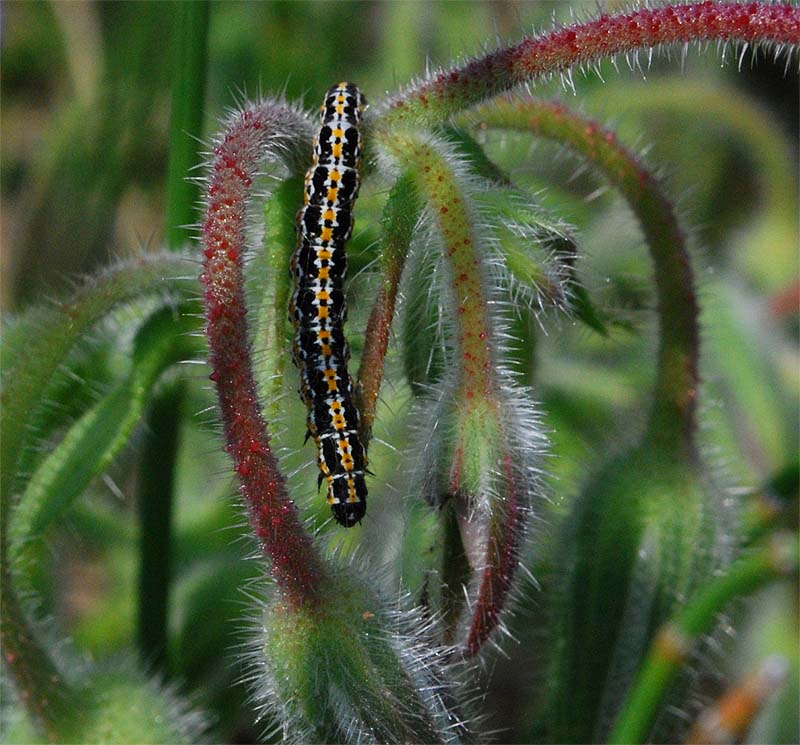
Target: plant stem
point(42, 689)
point(268, 272)
point(479, 411)
point(400, 218)
point(190, 53)
point(730, 114)
point(506, 529)
point(672, 420)
point(157, 475)
point(673, 643)
point(53, 335)
point(450, 210)
point(252, 136)
point(451, 91)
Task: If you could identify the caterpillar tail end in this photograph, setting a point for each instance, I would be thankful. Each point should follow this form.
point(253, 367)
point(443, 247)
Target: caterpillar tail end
point(348, 500)
point(349, 514)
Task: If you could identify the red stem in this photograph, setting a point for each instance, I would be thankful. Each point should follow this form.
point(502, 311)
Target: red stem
point(451, 91)
point(399, 224)
point(502, 557)
point(252, 135)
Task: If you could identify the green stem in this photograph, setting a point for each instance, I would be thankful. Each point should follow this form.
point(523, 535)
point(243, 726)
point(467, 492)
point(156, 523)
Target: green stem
point(672, 421)
point(480, 443)
point(724, 108)
point(47, 696)
point(190, 55)
point(273, 330)
point(438, 184)
point(54, 332)
point(157, 477)
point(190, 52)
point(673, 643)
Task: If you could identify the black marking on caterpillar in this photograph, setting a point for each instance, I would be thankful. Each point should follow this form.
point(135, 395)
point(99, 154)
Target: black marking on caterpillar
point(318, 309)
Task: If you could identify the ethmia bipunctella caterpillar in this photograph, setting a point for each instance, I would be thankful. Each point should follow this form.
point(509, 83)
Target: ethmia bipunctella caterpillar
point(318, 309)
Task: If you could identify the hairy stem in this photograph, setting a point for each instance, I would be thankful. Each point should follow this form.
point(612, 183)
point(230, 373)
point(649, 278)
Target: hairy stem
point(434, 100)
point(673, 417)
point(268, 271)
point(53, 335)
point(437, 182)
point(728, 113)
point(252, 135)
point(400, 218)
point(506, 528)
point(54, 332)
point(46, 695)
point(482, 421)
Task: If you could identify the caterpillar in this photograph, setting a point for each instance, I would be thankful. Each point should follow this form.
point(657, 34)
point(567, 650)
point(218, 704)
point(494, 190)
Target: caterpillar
point(317, 307)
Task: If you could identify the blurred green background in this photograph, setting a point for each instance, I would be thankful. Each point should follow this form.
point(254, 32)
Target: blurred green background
point(85, 120)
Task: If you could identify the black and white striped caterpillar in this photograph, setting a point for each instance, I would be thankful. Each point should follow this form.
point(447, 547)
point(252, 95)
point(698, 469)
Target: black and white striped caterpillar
point(318, 309)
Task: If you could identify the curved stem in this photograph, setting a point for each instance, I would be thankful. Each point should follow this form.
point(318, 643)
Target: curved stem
point(53, 333)
point(437, 182)
point(451, 91)
point(42, 686)
point(400, 218)
point(252, 136)
point(673, 417)
point(476, 393)
point(506, 529)
point(673, 643)
point(728, 114)
point(44, 691)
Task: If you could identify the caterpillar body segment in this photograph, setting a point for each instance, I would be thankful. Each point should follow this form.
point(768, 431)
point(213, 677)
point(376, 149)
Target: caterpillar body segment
point(318, 308)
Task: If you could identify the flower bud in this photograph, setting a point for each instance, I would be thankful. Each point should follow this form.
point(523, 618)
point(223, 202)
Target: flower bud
point(350, 669)
point(647, 533)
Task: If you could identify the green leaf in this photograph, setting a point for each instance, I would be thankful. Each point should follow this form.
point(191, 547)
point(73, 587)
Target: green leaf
point(526, 235)
point(42, 340)
point(101, 433)
point(423, 333)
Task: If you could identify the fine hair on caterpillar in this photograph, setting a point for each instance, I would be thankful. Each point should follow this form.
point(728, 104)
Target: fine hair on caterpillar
point(318, 309)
